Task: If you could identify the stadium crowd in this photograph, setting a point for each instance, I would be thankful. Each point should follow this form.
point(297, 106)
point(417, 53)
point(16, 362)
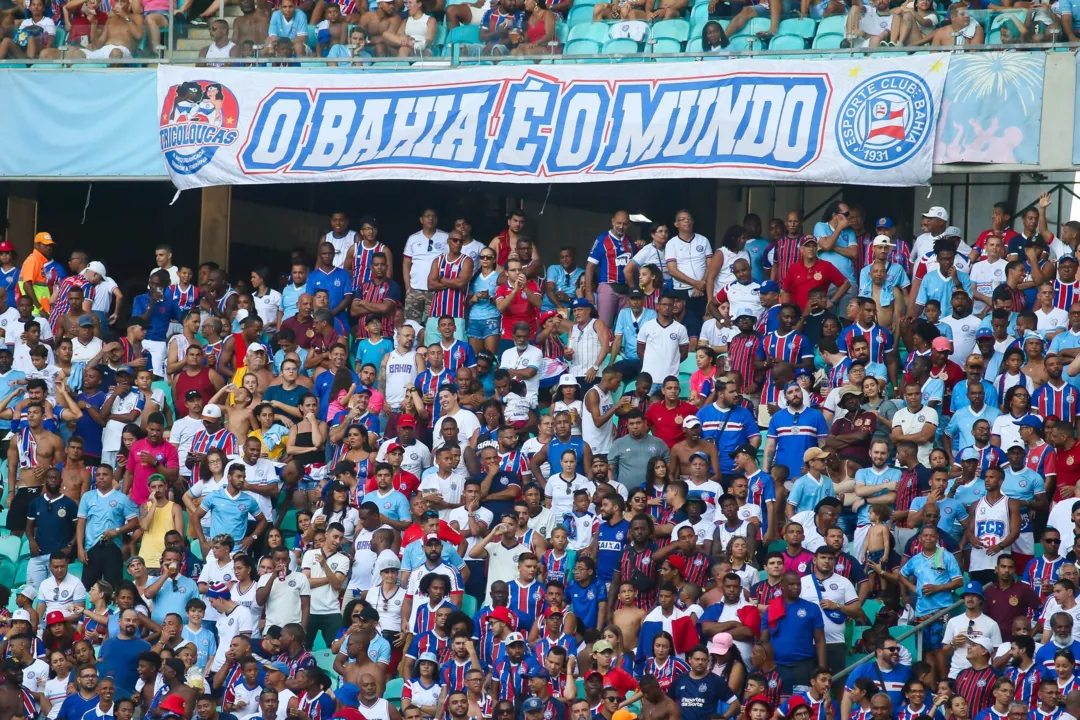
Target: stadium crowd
point(669, 479)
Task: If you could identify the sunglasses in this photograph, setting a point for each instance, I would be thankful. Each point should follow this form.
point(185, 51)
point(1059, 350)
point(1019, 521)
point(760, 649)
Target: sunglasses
point(613, 698)
point(891, 649)
point(1055, 541)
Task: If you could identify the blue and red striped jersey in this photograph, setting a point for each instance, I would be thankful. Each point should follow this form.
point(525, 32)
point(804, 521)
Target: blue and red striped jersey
point(1061, 402)
point(361, 271)
point(448, 301)
point(790, 348)
point(610, 254)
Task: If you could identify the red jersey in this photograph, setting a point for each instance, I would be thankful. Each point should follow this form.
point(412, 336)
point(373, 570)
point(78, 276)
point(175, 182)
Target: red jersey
point(667, 424)
point(1006, 235)
point(801, 280)
point(1068, 473)
point(520, 310)
point(446, 534)
point(404, 482)
point(1043, 460)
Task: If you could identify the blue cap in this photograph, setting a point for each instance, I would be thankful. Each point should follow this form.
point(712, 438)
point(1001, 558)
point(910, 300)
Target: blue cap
point(884, 222)
point(538, 672)
point(348, 694)
point(1033, 335)
point(973, 588)
point(984, 333)
point(701, 455)
point(803, 372)
point(1030, 421)
point(429, 657)
point(768, 286)
point(969, 454)
point(281, 667)
point(580, 303)
point(533, 704)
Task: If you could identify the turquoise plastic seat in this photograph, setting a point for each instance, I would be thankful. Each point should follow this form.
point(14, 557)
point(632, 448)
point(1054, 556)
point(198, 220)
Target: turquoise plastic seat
point(586, 2)
point(828, 41)
point(871, 608)
point(312, 38)
point(787, 42)
point(699, 13)
point(908, 642)
point(393, 691)
point(163, 386)
point(464, 34)
point(562, 30)
point(440, 37)
point(579, 14)
point(468, 605)
point(10, 546)
point(833, 24)
point(325, 660)
point(671, 29)
point(582, 47)
point(804, 27)
point(755, 26)
point(666, 45)
point(622, 46)
point(595, 31)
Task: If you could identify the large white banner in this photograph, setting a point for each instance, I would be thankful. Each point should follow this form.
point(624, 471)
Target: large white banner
point(863, 121)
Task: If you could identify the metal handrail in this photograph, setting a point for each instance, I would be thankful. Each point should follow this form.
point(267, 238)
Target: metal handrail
point(904, 636)
point(430, 63)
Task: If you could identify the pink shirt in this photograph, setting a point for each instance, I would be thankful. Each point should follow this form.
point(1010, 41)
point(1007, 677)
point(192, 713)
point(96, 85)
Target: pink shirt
point(164, 453)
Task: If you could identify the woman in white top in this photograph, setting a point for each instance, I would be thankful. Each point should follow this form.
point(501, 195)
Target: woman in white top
point(561, 487)
point(589, 343)
point(267, 300)
point(732, 248)
point(387, 596)
point(211, 477)
point(599, 432)
point(652, 254)
point(416, 35)
point(339, 511)
point(424, 690)
point(569, 402)
point(57, 684)
point(545, 430)
point(243, 590)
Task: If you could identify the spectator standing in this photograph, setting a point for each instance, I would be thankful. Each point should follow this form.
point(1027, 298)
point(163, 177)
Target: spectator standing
point(662, 343)
point(105, 516)
point(796, 631)
point(687, 255)
point(605, 281)
point(422, 249)
point(448, 280)
point(837, 244)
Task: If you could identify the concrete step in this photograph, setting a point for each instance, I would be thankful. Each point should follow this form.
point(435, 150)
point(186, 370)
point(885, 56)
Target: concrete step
point(185, 54)
point(191, 44)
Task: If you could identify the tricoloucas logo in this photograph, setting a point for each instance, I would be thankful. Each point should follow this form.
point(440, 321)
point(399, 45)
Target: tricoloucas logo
point(196, 119)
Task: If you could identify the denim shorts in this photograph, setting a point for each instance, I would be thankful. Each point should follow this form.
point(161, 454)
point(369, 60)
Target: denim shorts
point(485, 328)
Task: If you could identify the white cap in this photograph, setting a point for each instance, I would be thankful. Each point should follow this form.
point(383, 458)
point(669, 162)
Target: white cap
point(97, 267)
point(568, 379)
point(211, 411)
point(883, 241)
point(743, 312)
point(21, 614)
point(937, 212)
point(241, 314)
point(255, 347)
point(691, 421)
point(29, 591)
point(387, 560)
point(514, 637)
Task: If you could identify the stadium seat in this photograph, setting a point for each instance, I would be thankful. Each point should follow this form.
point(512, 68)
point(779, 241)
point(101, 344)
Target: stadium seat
point(699, 13)
point(586, 2)
point(562, 30)
point(163, 386)
point(582, 47)
point(828, 41)
point(804, 27)
point(908, 642)
point(672, 30)
point(464, 35)
point(834, 24)
point(622, 46)
point(666, 45)
point(871, 608)
point(787, 42)
point(325, 660)
point(393, 691)
point(579, 14)
point(440, 38)
point(755, 26)
point(312, 37)
point(468, 605)
point(743, 43)
point(10, 547)
point(595, 31)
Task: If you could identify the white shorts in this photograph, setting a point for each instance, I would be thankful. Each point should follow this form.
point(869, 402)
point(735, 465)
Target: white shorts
point(857, 542)
point(103, 53)
point(158, 353)
point(477, 14)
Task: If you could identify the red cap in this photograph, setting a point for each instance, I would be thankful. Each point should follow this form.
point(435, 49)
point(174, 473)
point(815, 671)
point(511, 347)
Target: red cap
point(552, 611)
point(796, 701)
point(406, 421)
point(503, 614)
point(394, 447)
point(6, 247)
point(54, 618)
point(678, 562)
point(174, 704)
point(593, 672)
point(547, 316)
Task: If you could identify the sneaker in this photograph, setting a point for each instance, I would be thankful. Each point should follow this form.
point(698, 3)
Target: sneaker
point(198, 22)
point(886, 43)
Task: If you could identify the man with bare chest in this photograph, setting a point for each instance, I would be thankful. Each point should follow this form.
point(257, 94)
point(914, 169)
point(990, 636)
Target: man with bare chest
point(115, 36)
point(655, 704)
point(361, 664)
point(75, 473)
point(33, 451)
point(253, 25)
point(381, 20)
point(12, 694)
